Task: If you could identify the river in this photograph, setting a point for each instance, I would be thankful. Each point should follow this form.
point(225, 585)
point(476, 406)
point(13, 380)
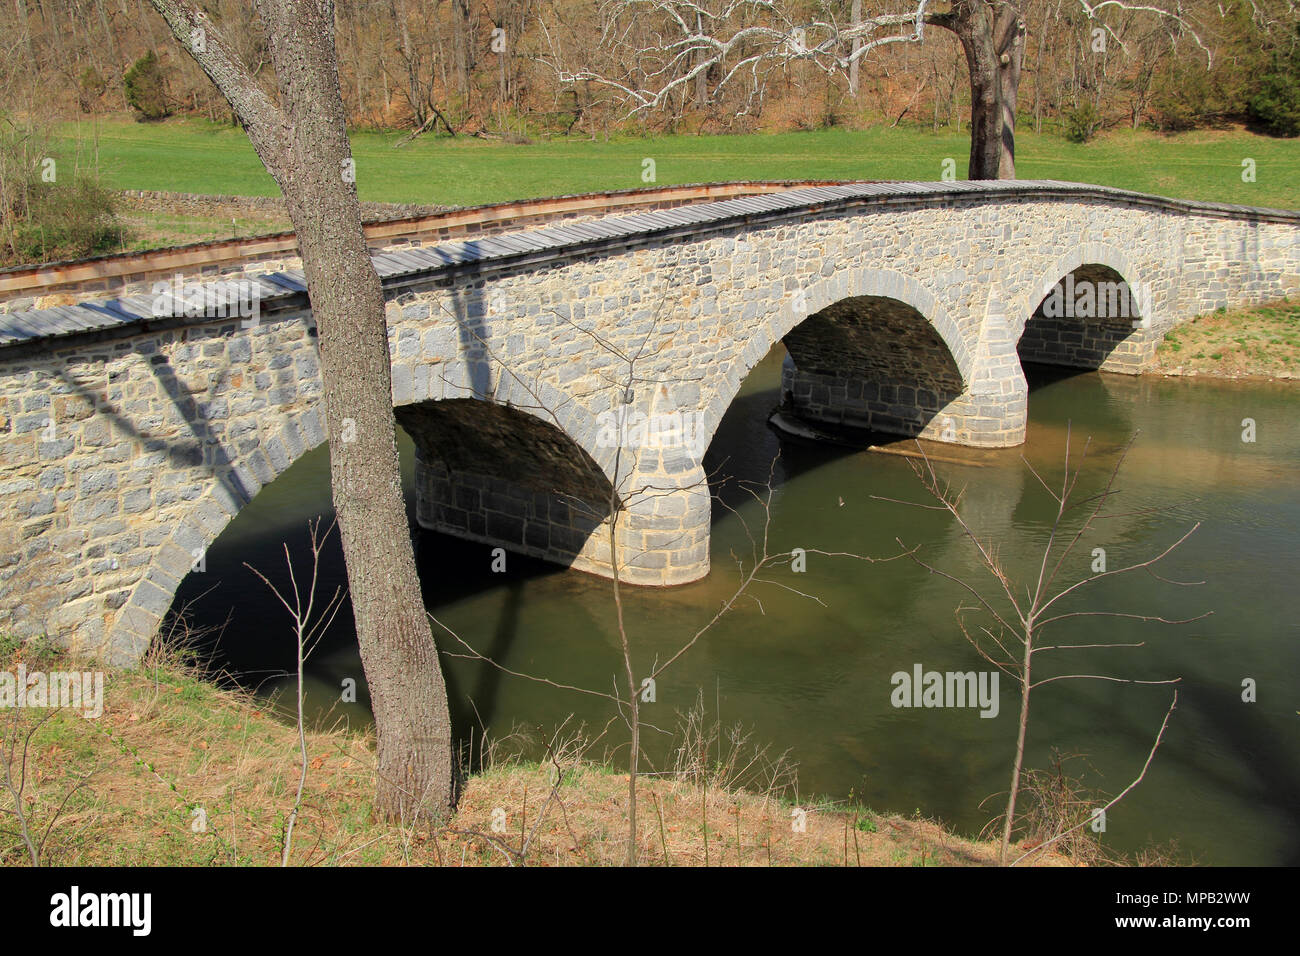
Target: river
point(810, 672)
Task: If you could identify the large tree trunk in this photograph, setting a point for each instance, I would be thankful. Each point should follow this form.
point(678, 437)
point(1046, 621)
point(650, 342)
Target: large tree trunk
point(304, 146)
point(1009, 37)
point(972, 21)
point(994, 47)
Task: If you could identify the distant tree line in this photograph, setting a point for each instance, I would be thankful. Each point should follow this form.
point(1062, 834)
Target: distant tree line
point(497, 67)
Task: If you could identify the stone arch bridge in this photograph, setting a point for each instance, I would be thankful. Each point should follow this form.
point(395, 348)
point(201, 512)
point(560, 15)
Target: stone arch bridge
point(549, 376)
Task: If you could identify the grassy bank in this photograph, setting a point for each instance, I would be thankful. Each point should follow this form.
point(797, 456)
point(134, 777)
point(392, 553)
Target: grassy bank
point(194, 156)
point(180, 772)
point(1263, 342)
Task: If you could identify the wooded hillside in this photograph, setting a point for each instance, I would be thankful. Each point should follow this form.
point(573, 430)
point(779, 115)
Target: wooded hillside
point(503, 67)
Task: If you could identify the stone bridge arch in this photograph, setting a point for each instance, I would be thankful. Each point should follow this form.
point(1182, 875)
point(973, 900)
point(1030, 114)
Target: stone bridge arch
point(417, 380)
point(546, 487)
point(1089, 341)
point(824, 293)
point(933, 398)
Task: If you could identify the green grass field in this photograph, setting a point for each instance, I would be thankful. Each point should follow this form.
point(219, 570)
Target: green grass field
point(194, 156)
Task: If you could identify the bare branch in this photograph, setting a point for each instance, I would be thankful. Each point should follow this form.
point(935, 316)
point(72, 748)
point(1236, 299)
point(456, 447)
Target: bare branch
point(1164, 725)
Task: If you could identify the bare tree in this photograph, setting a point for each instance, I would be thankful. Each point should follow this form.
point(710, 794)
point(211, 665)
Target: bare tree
point(309, 626)
point(1012, 612)
point(739, 41)
point(745, 41)
point(302, 140)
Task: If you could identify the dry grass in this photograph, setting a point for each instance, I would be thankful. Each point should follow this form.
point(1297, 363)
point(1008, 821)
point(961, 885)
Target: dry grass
point(149, 224)
point(1250, 343)
point(682, 825)
point(178, 771)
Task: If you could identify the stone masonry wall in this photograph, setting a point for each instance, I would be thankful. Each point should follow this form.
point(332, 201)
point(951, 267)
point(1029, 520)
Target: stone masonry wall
point(120, 463)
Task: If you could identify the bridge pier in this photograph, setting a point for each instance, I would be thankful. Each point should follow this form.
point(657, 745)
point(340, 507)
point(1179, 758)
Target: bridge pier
point(663, 533)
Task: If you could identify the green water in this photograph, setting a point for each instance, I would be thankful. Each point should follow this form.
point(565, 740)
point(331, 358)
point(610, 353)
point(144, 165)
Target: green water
point(810, 673)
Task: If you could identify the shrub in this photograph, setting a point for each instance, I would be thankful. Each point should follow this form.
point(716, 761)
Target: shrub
point(66, 222)
point(90, 87)
point(146, 88)
point(1082, 123)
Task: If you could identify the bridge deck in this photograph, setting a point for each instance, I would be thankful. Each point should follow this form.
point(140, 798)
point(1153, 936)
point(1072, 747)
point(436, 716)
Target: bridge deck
point(286, 289)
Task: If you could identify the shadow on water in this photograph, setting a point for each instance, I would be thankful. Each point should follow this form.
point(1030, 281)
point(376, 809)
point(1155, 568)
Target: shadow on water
point(444, 579)
point(813, 676)
point(246, 634)
point(742, 455)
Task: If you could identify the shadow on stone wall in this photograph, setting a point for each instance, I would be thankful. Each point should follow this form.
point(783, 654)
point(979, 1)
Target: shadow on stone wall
point(490, 472)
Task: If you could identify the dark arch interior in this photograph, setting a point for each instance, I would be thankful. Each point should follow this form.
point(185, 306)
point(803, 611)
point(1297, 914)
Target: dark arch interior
point(871, 362)
point(1085, 317)
point(491, 470)
point(471, 436)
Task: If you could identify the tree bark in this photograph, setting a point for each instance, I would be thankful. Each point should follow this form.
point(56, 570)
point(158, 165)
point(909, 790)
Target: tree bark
point(304, 145)
point(993, 43)
point(1009, 37)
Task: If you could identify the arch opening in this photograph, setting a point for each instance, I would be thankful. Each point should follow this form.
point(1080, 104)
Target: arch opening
point(492, 473)
point(871, 362)
point(1091, 318)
